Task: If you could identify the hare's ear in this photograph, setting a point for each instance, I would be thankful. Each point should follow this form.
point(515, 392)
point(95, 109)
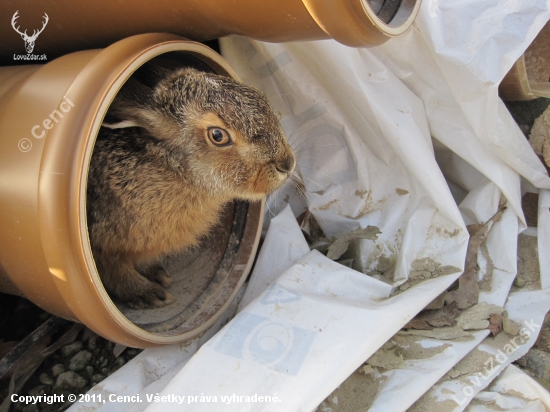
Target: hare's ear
point(150, 75)
point(134, 106)
point(131, 100)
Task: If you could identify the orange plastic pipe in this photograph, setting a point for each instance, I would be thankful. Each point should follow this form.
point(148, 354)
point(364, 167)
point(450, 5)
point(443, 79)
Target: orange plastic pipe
point(49, 118)
point(76, 26)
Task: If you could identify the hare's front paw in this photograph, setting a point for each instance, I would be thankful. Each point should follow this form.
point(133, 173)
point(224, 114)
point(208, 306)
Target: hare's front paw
point(149, 295)
point(156, 273)
point(123, 281)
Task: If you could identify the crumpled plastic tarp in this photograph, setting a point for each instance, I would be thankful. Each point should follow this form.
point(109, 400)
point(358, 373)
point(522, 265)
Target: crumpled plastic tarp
point(409, 137)
point(513, 390)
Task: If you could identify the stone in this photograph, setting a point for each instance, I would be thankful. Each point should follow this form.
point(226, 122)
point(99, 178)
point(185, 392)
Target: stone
point(98, 377)
point(57, 369)
point(538, 362)
point(510, 327)
point(45, 379)
point(33, 407)
point(420, 274)
point(475, 324)
point(65, 406)
point(367, 369)
point(519, 282)
point(68, 381)
point(71, 348)
point(80, 360)
point(92, 342)
point(39, 390)
point(89, 371)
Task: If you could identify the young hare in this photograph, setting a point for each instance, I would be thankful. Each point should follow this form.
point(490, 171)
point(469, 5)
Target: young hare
point(173, 149)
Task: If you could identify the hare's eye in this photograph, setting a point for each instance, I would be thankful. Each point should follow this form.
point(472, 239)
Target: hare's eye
point(219, 137)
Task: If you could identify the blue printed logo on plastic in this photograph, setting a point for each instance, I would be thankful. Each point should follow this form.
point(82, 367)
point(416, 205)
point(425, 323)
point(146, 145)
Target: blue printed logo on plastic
point(279, 347)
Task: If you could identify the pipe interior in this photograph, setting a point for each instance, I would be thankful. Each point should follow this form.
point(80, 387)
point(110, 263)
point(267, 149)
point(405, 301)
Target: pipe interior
point(394, 13)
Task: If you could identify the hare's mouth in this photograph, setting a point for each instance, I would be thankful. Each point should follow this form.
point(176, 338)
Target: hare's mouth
point(269, 179)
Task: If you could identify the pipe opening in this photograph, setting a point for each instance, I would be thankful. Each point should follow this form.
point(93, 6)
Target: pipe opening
point(393, 13)
point(205, 278)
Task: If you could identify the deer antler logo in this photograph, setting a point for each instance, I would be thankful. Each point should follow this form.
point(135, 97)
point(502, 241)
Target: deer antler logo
point(29, 40)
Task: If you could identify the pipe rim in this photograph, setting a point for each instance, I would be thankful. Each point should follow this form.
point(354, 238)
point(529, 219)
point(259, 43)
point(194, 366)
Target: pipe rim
point(364, 28)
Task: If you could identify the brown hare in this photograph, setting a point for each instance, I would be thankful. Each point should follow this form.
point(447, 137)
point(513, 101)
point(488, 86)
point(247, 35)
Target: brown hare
point(175, 146)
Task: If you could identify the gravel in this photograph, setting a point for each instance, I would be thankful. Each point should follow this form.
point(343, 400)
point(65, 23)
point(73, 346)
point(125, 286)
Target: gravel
point(73, 369)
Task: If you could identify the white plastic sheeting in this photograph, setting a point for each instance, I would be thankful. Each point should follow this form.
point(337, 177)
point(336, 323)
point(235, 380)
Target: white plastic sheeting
point(514, 391)
point(361, 122)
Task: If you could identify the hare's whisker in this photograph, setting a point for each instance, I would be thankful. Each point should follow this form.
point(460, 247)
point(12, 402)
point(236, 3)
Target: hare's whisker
point(308, 157)
point(277, 200)
point(301, 191)
point(305, 141)
point(316, 171)
point(298, 126)
point(268, 208)
point(298, 182)
point(315, 147)
point(315, 183)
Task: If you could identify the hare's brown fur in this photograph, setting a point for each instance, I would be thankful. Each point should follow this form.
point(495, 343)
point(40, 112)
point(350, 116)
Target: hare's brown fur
point(157, 183)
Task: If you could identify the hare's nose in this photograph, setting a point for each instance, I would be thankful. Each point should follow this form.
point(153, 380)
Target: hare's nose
point(286, 166)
